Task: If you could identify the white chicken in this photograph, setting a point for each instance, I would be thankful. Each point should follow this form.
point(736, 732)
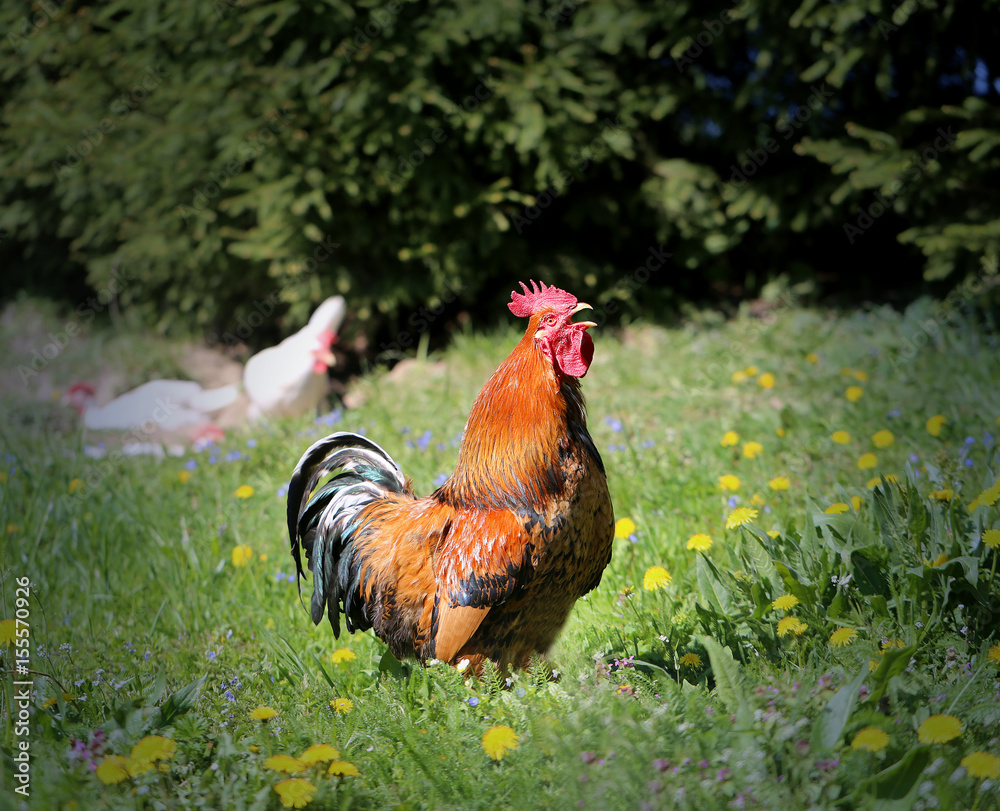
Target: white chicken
point(289, 380)
point(164, 405)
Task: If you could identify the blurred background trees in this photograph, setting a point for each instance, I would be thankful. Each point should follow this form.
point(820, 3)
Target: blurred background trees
point(222, 155)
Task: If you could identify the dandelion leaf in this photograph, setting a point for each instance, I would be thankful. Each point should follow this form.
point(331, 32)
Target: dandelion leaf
point(712, 588)
point(728, 683)
point(893, 662)
point(829, 727)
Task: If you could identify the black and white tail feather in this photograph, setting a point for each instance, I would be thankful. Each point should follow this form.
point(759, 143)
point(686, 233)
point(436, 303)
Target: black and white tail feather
point(324, 523)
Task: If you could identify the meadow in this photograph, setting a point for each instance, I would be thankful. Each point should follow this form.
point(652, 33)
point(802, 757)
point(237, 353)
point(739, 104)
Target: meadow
point(801, 609)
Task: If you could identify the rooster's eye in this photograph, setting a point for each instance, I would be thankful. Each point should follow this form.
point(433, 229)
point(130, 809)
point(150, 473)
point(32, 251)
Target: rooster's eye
point(549, 320)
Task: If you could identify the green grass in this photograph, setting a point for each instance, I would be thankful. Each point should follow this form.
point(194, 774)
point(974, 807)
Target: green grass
point(135, 593)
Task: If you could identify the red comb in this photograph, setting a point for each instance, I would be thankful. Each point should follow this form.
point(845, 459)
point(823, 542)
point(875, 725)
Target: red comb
point(539, 295)
point(85, 388)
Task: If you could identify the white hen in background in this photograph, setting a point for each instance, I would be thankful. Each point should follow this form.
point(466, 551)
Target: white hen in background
point(289, 380)
point(166, 405)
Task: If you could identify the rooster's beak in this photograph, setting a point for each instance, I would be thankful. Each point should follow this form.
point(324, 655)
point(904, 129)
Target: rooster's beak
point(584, 324)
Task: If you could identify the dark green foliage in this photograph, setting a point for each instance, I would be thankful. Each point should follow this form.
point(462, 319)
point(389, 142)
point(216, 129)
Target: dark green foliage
point(409, 154)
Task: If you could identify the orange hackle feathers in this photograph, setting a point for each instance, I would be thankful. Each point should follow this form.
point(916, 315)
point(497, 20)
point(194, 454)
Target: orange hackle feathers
point(490, 564)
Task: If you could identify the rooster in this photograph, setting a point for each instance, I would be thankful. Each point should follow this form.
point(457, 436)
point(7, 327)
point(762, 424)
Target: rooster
point(489, 565)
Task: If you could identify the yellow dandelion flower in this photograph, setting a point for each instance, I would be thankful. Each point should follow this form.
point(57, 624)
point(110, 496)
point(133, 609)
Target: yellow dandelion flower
point(982, 765)
point(11, 528)
point(857, 374)
point(284, 763)
point(137, 767)
point(766, 380)
point(870, 739)
point(791, 625)
point(154, 747)
point(8, 632)
point(624, 527)
point(883, 438)
point(729, 439)
point(729, 482)
point(699, 542)
point(751, 450)
point(875, 480)
point(656, 577)
point(993, 654)
point(773, 533)
point(498, 741)
point(873, 665)
point(840, 437)
point(757, 500)
point(263, 558)
point(342, 655)
point(856, 502)
point(74, 485)
point(319, 753)
point(184, 476)
point(740, 516)
point(992, 538)
point(940, 560)
point(738, 376)
point(49, 702)
point(243, 491)
point(942, 495)
point(836, 508)
point(751, 371)
point(784, 602)
point(241, 554)
point(778, 483)
point(867, 461)
point(939, 729)
point(934, 425)
point(893, 643)
point(112, 769)
point(854, 393)
point(295, 792)
point(692, 660)
point(263, 713)
point(344, 768)
point(342, 706)
point(990, 495)
point(842, 637)
point(779, 431)
point(812, 357)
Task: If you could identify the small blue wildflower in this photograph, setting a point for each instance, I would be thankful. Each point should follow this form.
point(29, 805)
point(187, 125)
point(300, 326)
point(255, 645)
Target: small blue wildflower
point(190, 464)
point(473, 702)
point(282, 491)
point(232, 456)
point(894, 413)
point(405, 429)
point(733, 501)
point(234, 682)
point(425, 440)
point(229, 696)
point(279, 576)
point(441, 446)
point(914, 458)
point(613, 424)
point(648, 443)
point(129, 647)
point(519, 692)
point(440, 479)
point(970, 440)
point(251, 443)
point(767, 509)
point(409, 444)
point(229, 634)
point(987, 439)
point(212, 655)
point(968, 463)
point(213, 459)
point(146, 655)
